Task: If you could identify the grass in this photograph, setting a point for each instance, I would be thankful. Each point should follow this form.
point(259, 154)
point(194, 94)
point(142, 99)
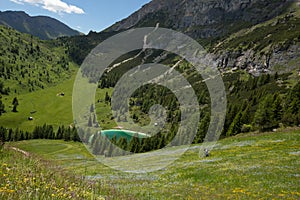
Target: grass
point(30, 64)
point(262, 37)
point(103, 110)
point(31, 178)
point(45, 106)
point(247, 166)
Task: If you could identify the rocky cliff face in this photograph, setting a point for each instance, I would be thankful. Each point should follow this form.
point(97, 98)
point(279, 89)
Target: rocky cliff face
point(254, 35)
point(278, 60)
point(203, 18)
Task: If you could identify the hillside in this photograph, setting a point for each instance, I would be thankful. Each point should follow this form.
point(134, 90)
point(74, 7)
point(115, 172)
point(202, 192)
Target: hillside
point(40, 26)
point(28, 63)
point(252, 35)
point(259, 65)
point(24, 176)
point(45, 153)
point(256, 36)
point(36, 73)
point(254, 43)
point(248, 166)
point(203, 19)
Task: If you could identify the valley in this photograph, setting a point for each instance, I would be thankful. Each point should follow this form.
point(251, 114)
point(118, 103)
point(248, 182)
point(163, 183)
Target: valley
point(47, 153)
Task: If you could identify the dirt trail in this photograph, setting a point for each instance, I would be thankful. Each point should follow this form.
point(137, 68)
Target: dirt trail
point(25, 153)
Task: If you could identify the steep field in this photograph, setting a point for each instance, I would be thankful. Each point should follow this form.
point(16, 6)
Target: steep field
point(25, 176)
point(28, 64)
point(39, 74)
point(248, 166)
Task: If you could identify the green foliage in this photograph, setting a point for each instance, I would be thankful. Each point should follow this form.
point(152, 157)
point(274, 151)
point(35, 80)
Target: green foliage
point(41, 132)
point(44, 106)
point(264, 160)
point(291, 114)
point(2, 108)
point(40, 26)
point(78, 47)
point(279, 33)
point(15, 103)
point(29, 64)
point(4, 90)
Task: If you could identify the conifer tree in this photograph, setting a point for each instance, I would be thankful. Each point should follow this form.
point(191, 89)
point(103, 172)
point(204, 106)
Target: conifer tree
point(2, 108)
point(15, 104)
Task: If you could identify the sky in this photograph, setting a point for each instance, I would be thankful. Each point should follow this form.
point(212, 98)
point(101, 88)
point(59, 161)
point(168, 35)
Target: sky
point(82, 15)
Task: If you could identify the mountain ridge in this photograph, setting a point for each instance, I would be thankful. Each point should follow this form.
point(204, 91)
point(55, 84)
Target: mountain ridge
point(267, 30)
point(43, 27)
point(193, 16)
point(253, 35)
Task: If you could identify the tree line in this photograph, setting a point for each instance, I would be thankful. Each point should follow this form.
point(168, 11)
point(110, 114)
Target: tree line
point(14, 103)
point(40, 132)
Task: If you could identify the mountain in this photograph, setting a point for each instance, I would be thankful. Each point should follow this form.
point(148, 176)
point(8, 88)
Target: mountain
point(254, 35)
point(28, 63)
point(203, 19)
point(255, 43)
point(40, 26)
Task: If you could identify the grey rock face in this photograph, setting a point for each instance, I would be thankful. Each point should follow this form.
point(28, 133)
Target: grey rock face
point(202, 18)
point(277, 61)
point(212, 20)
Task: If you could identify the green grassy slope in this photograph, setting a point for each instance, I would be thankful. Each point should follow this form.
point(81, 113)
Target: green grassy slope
point(45, 106)
point(279, 32)
point(248, 166)
point(40, 26)
point(28, 64)
point(29, 177)
point(35, 72)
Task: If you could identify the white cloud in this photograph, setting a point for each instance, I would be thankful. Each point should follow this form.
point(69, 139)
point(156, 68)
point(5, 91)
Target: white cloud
point(17, 2)
point(56, 6)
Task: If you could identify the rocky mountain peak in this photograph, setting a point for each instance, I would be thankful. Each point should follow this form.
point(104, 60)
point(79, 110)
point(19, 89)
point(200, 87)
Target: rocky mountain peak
point(203, 18)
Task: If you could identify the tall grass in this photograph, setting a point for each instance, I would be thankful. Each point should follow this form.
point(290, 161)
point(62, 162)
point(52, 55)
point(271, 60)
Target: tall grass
point(29, 177)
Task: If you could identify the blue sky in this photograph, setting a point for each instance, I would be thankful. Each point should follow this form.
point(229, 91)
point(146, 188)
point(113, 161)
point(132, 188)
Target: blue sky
point(82, 15)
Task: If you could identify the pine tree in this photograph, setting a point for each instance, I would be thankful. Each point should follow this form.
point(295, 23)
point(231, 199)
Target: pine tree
point(107, 97)
point(122, 143)
point(92, 109)
point(59, 134)
point(277, 109)
point(2, 108)
point(96, 146)
point(236, 125)
point(94, 119)
point(264, 115)
point(291, 109)
point(134, 144)
point(90, 123)
point(15, 104)
point(203, 126)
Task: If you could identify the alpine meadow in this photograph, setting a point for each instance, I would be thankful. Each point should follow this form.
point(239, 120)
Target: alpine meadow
point(148, 147)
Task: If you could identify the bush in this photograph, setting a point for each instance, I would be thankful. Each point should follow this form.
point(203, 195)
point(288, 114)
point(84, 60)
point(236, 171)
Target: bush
point(246, 128)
